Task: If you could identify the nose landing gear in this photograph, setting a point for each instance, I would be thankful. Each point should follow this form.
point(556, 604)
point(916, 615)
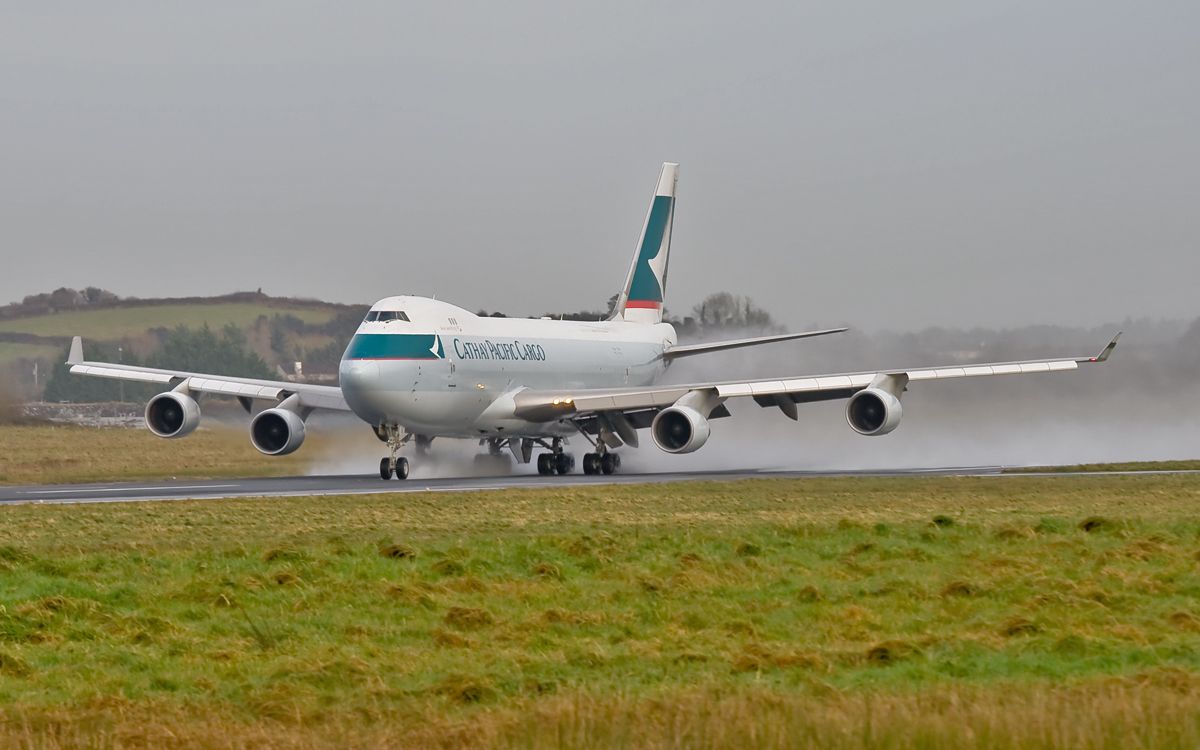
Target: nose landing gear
point(397, 466)
point(393, 465)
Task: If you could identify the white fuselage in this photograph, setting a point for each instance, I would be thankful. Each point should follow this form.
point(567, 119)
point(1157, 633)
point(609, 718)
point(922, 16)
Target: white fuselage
point(441, 370)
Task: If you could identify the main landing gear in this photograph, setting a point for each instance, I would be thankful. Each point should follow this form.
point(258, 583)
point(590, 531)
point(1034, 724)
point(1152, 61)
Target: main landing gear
point(555, 463)
point(601, 463)
point(559, 462)
point(393, 465)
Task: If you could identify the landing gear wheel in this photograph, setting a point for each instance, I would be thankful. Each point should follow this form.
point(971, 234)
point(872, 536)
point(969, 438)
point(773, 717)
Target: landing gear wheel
point(392, 465)
point(564, 463)
point(545, 464)
point(591, 463)
point(609, 463)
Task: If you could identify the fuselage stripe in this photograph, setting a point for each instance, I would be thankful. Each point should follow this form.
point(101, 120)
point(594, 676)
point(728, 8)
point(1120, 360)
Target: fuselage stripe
point(421, 346)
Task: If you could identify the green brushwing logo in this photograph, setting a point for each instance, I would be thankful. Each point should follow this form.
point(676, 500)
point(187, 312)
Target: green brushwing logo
point(647, 286)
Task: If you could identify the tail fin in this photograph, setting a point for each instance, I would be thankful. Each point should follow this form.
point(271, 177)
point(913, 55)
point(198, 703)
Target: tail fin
point(641, 301)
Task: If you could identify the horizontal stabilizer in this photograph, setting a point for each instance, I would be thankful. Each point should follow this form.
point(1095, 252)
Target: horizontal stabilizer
point(718, 346)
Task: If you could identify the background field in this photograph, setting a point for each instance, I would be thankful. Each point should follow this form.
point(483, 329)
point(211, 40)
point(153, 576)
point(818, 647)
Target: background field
point(63, 454)
point(279, 330)
point(999, 612)
point(119, 322)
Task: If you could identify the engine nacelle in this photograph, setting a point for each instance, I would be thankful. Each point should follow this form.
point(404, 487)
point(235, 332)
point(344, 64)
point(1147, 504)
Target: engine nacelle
point(873, 411)
point(277, 432)
point(680, 429)
point(172, 414)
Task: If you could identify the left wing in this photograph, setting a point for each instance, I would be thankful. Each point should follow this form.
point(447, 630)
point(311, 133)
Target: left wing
point(245, 389)
point(630, 408)
point(686, 350)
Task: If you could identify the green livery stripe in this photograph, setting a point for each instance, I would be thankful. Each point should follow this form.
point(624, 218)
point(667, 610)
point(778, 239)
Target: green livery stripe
point(394, 346)
point(645, 286)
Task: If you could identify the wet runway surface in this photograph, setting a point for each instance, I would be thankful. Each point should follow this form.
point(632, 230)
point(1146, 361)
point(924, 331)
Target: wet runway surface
point(191, 489)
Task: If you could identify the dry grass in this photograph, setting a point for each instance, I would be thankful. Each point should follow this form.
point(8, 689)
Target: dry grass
point(1193, 465)
point(1154, 710)
point(778, 613)
point(58, 454)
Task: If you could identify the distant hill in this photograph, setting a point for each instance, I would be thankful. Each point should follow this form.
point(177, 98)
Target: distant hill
point(282, 330)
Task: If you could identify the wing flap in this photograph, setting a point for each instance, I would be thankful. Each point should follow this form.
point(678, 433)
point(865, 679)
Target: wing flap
point(117, 373)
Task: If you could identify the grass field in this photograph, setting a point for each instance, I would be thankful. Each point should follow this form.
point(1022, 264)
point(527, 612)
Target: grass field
point(10, 351)
point(915, 612)
point(117, 322)
point(1127, 466)
point(58, 454)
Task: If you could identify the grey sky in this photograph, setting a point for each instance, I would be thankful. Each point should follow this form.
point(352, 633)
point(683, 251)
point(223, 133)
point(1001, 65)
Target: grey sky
point(881, 164)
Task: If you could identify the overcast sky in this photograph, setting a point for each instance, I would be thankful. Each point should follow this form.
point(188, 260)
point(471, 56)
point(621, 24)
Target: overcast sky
point(887, 165)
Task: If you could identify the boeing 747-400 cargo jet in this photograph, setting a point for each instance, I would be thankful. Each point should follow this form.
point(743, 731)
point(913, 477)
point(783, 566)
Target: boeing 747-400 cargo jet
point(418, 369)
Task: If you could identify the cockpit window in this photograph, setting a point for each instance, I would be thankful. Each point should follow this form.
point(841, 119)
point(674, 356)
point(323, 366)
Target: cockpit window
point(386, 315)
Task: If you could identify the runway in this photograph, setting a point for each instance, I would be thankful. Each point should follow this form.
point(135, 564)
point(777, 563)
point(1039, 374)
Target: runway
point(191, 489)
point(212, 489)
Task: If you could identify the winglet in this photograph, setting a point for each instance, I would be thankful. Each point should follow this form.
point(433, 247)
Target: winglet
point(1104, 353)
point(75, 356)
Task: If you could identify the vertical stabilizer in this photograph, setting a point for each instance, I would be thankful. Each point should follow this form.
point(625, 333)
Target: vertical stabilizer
point(641, 301)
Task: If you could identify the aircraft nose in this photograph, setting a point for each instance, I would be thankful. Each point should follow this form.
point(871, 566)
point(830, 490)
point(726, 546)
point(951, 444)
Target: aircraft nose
point(359, 380)
point(359, 374)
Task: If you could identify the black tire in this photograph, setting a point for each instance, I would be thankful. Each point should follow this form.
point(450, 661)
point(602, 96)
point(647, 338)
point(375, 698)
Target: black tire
point(609, 463)
point(385, 468)
point(545, 464)
point(591, 463)
point(564, 463)
point(402, 468)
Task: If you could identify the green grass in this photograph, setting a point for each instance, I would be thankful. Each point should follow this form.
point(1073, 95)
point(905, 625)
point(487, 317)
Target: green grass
point(998, 612)
point(127, 321)
point(10, 351)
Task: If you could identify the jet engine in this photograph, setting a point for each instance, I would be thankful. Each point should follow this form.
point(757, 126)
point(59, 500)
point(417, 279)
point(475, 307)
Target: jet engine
point(679, 429)
point(873, 411)
point(277, 432)
point(172, 414)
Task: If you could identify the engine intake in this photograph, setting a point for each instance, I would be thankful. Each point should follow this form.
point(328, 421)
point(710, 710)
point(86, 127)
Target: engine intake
point(873, 411)
point(172, 414)
point(277, 432)
point(679, 429)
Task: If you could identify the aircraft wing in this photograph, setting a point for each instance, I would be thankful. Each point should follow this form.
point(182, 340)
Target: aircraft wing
point(245, 389)
point(639, 405)
point(688, 350)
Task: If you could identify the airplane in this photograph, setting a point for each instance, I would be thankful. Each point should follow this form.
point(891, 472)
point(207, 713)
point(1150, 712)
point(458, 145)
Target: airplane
point(419, 368)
